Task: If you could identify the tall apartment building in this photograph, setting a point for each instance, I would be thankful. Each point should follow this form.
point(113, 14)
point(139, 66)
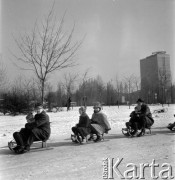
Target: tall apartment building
point(156, 77)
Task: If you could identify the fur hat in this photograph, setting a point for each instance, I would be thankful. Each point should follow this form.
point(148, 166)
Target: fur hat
point(140, 100)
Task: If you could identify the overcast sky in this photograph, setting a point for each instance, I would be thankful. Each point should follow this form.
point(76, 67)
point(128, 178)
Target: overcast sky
point(118, 32)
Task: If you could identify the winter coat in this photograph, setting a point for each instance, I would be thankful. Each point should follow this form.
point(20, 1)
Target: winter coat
point(134, 117)
point(145, 111)
point(41, 127)
point(146, 114)
point(84, 124)
point(100, 123)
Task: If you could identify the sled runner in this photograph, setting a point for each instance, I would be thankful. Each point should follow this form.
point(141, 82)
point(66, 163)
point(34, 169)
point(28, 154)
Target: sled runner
point(12, 145)
point(130, 132)
point(78, 139)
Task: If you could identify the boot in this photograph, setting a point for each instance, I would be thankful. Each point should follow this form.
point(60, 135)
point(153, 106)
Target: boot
point(91, 138)
point(98, 138)
point(18, 139)
point(19, 150)
point(79, 139)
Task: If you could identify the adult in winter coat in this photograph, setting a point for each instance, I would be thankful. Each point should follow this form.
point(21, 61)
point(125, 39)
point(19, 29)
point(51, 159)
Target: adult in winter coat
point(35, 131)
point(99, 122)
point(83, 126)
point(145, 116)
point(69, 103)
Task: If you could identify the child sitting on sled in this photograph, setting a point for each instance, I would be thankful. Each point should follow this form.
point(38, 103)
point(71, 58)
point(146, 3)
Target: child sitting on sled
point(82, 129)
point(37, 130)
point(30, 119)
point(133, 122)
point(23, 131)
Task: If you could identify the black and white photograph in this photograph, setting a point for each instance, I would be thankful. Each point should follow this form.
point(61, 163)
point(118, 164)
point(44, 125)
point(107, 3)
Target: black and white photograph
point(87, 89)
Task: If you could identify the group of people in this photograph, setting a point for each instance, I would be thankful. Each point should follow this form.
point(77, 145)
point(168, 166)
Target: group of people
point(97, 125)
point(140, 118)
point(38, 128)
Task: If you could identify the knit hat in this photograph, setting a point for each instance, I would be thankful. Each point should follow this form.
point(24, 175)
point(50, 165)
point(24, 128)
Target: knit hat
point(38, 105)
point(82, 108)
point(97, 105)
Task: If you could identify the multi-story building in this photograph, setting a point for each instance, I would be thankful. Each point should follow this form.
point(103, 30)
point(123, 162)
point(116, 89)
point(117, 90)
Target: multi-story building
point(156, 77)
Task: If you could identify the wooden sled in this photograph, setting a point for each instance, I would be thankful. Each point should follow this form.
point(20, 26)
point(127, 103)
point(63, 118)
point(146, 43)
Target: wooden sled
point(129, 132)
point(77, 139)
point(12, 144)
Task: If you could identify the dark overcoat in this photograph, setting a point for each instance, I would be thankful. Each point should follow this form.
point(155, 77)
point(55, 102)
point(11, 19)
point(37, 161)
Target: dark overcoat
point(84, 124)
point(146, 114)
point(41, 127)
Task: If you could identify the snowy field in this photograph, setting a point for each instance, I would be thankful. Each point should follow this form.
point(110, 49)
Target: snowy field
point(70, 161)
point(61, 122)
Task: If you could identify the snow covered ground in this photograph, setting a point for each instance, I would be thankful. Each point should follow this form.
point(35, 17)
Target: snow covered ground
point(70, 161)
point(61, 122)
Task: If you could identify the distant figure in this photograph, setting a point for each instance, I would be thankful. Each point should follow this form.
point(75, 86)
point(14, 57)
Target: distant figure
point(99, 123)
point(37, 130)
point(68, 103)
point(84, 101)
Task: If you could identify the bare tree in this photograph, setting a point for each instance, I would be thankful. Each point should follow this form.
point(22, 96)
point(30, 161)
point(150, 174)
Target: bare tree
point(118, 88)
point(3, 76)
point(47, 49)
point(164, 83)
point(83, 84)
point(60, 94)
point(50, 96)
point(84, 80)
point(136, 85)
point(136, 82)
point(69, 83)
point(31, 91)
point(100, 88)
point(69, 86)
point(129, 84)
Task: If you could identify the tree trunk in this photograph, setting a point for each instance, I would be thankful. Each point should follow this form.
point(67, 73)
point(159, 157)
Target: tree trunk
point(42, 91)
